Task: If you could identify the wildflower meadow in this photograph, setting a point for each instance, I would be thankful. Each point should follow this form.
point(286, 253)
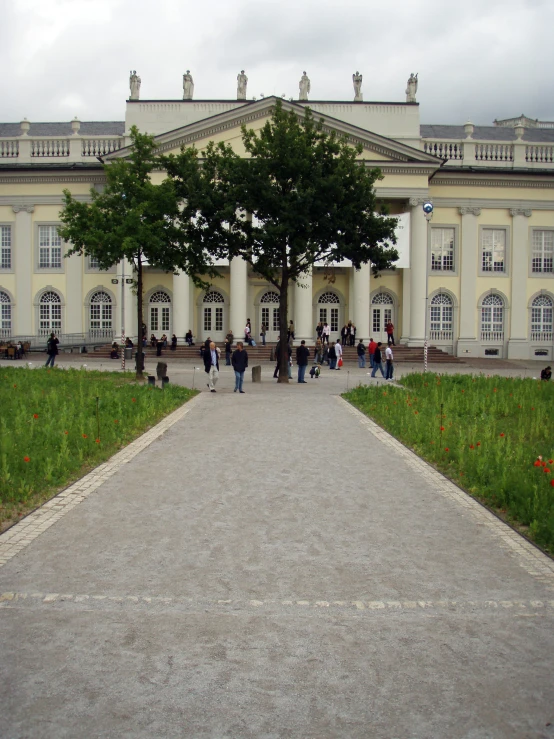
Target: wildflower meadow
point(493, 436)
point(57, 424)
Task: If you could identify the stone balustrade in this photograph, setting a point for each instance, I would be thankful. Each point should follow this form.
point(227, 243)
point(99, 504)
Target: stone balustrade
point(71, 148)
point(507, 154)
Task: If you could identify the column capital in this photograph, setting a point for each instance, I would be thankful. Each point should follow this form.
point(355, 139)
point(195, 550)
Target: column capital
point(26, 208)
point(464, 211)
point(527, 212)
point(418, 201)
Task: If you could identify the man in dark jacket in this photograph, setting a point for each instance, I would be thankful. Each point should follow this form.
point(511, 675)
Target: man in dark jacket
point(361, 354)
point(302, 354)
point(211, 365)
point(240, 363)
point(378, 360)
point(52, 349)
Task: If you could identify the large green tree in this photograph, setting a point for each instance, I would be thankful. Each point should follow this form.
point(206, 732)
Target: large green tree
point(312, 200)
point(133, 218)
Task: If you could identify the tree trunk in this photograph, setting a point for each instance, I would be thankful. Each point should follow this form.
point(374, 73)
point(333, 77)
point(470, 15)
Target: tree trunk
point(139, 317)
point(283, 328)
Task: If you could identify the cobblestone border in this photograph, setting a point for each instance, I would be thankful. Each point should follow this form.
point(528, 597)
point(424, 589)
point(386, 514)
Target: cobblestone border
point(25, 531)
point(533, 561)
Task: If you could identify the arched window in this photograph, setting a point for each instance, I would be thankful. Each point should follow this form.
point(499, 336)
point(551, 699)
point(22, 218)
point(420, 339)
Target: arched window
point(159, 312)
point(329, 297)
point(441, 312)
point(101, 315)
point(5, 315)
point(270, 297)
point(50, 313)
point(382, 299)
point(329, 315)
point(213, 316)
point(213, 296)
point(270, 313)
point(492, 318)
point(541, 318)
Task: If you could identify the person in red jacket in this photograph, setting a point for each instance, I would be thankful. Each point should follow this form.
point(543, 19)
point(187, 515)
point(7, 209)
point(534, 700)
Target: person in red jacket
point(371, 350)
point(390, 333)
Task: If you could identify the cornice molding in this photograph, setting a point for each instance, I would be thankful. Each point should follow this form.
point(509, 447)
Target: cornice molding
point(493, 203)
point(469, 210)
point(402, 193)
point(29, 179)
point(443, 178)
point(27, 201)
point(527, 212)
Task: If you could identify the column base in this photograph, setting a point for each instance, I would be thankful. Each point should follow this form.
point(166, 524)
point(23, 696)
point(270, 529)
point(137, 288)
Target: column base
point(469, 348)
point(519, 349)
point(416, 342)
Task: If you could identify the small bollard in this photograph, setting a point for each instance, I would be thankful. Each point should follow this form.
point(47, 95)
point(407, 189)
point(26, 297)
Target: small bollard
point(165, 381)
point(161, 370)
point(257, 373)
point(152, 380)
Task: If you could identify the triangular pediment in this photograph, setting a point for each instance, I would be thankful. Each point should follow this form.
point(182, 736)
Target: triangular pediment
point(226, 127)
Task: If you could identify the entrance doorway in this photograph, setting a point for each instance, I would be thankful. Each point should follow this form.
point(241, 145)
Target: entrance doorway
point(213, 316)
point(269, 314)
point(329, 311)
point(159, 314)
point(382, 311)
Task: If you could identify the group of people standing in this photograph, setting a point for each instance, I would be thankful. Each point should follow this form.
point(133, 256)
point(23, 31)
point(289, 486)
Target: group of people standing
point(239, 361)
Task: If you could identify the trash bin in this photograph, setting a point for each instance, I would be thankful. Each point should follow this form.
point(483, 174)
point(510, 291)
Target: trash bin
point(128, 352)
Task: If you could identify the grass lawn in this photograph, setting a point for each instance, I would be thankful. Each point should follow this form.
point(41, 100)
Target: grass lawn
point(493, 436)
point(55, 425)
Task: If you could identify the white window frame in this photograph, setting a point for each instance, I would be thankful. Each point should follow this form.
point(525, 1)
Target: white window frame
point(89, 269)
point(483, 230)
point(441, 316)
point(433, 232)
point(6, 247)
point(532, 251)
point(495, 331)
point(48, 269)
point(6, 315)
point(541, 329)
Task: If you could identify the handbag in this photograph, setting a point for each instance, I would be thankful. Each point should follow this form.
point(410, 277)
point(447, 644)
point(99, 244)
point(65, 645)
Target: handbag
point(340, 362)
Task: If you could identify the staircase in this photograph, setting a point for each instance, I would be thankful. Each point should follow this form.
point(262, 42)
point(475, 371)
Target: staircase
point(260, 353)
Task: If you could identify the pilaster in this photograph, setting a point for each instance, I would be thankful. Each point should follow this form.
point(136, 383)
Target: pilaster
point(181, 304)
point(469, 260)
point(360, 302)
point(518, 344)
point(406, 305)
point(418, 269)
point(303, 299)
point(239, 295)
point(74, 297)
point(24, 268)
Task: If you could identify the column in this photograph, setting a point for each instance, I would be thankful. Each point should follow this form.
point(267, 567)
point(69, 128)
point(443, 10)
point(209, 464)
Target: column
point(130, 301)
point(303, 312)
point(418, 270)
point(181, 305)
point(518, 344)
point(360, 303)
point(406, 305)
point(469, 268)
point(239, 296)
point(24, 266)
point(74, 298)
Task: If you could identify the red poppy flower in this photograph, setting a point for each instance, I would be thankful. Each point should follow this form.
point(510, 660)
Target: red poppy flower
point(446, 449)
point(463, 391)
point(15, 386)
point(519, 406)
point(97, 441)
point(532, 409)
point(551, 461)
point(472, 446)
point(502, 434)
point(543, 464)
point(26, 459)
point(416, 412)
point(536, 463)
point(115, 420)
point(494, 390)
point(461, 474)
point(66, 432)
point(478, 443)
point(552, 482)
point(546, 470)
point(442, 428)
point(134, 400)
point(85, 436)
point(35, 415)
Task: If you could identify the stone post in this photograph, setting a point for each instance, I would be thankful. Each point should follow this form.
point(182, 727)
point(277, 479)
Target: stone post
point(360, 303)
point(24, 261)
point(518, 344)
point(520, 147)
point(418, 269)
point(303, 300)
point(181, 305)
point(75, 143)
point(239, 297)
point(469, 269)
point(24, 142)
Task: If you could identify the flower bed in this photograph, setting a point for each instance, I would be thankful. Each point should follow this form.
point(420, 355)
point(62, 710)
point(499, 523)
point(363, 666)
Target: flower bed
point(57, 424)
point(493, 436)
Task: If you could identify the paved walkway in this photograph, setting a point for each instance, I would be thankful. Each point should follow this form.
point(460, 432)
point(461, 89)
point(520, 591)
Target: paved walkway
point(272, 565)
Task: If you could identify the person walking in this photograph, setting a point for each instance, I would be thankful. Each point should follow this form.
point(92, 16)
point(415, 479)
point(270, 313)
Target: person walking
point(302, 354)
point(389, 360)
point(389, 328)
point(371, 350)
point(353, 335)
point(290, 331)
point(332, 354)
point(360, 349)
point(378, 360)
point(52, 349)
point(344, 334)
point(318, 351)
point(211, 365)
point(228, 351)
point(240, 363)
point(319, 330)
point(263, 332)
point(325, 333)
point(338, 352)
point(248, 332)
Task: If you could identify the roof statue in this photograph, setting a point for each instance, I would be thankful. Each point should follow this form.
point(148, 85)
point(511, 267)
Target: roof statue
point(411, 88)
point(188, 86)
point(357, 82)
point(134, 84)
point(304, 87)
point(242, 81)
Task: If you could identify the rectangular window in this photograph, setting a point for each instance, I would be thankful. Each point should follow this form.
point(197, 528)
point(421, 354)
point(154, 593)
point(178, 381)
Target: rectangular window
point(442, 249)
point(376, 320)
point(207, 319)
point(543, 251)
point(165, 319)
point(265, 317)
point(334, 319)
point(93, 263)
point(5, 247)
point(153, 319)
point(50, 248)
point(276, 319)
point(493, 250)
point(5, 319)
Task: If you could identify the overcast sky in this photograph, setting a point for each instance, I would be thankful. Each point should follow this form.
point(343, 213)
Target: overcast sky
point(477, 59)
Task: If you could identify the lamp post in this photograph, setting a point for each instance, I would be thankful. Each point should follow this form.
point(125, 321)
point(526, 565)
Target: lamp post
point(428, 213)
point(125, 280)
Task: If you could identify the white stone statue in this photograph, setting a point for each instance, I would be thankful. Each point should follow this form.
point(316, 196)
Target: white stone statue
point(411, 88)
point(242, 81)
point(357, 82)
point(304, 86)
point(188, 86)
point(134, 84)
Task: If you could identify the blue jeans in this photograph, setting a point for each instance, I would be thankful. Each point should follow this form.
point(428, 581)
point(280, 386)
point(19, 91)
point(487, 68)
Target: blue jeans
point(239, 379)
point(378, 366)
point(301, 372)
point(371, 361)
point(361, 361)
point(389, 369)
point(332, 363)
point(50, 361)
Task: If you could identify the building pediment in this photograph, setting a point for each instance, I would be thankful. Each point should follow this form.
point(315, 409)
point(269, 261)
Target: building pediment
point(226, 127)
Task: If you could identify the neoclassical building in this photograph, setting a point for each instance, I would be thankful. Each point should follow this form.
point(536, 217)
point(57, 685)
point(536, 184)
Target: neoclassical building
point(476, 279)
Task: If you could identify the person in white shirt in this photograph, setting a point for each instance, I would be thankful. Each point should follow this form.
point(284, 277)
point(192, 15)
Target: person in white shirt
point(325, 334)
point(338, 350)
point(389, 357)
